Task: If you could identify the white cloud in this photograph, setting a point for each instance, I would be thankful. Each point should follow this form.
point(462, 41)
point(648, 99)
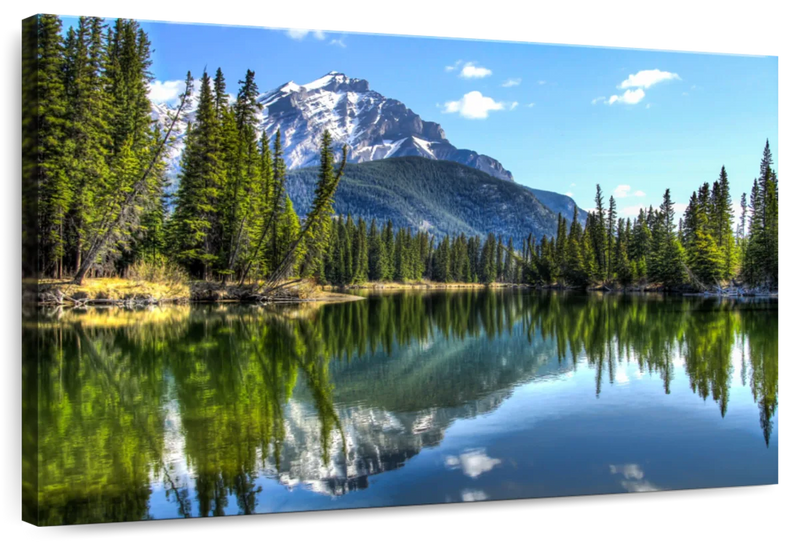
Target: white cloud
point(165, 92)
point(513, 105)
point(470, 495)
point(634, 87)
point(632, 211)
point(513, 82)
point(471, 70)
point(628, 97)
point(622, 191)
point(542, 82)
point(339, 42)
point(300, 33)
point(473, 105)
point(647, 78)
point(569, 194)
point(453, 66)
point(530, 104)
point(472, 462)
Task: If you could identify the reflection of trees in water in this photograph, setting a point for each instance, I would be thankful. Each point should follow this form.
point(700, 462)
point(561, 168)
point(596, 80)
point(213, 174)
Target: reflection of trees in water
point(106, 384)
point(654, 331)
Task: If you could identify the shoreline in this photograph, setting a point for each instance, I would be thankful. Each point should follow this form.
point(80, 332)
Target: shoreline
point(422, 285)
point(124, 293)
point(118, 292)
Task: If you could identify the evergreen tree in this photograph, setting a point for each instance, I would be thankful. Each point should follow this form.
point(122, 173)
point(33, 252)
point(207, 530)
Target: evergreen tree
point(288, 229)
point(599, 237)
point(319, 220)
point(87, 121)
point(202, 176)
point(622, 265)
point(388, 244)
point(488, 272)
point(670, 255)
point(55, 191)
point(509, 266)
point(703, 256)
point(442, 264)
point(751, 267)
point(377, 253)
point(498, 265)
point(722, 216)
point(611, 233)
point(400, 257)
point(279, 175)
point(575, 270)
point(220, 94)
point(360, 253)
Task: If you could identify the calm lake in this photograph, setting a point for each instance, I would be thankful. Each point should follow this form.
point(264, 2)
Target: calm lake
point(398, 399)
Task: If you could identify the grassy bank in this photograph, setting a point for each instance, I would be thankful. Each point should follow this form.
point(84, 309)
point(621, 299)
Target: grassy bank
point(117, 289)
point(129, 292)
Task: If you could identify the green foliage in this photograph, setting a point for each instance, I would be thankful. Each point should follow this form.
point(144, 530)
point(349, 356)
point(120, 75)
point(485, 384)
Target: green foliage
point(440, 197)
point(760, 266)
point(238, 213)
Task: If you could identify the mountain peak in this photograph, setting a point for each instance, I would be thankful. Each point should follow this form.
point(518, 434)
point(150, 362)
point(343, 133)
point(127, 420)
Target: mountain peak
point(335, 81)
point(373, 126)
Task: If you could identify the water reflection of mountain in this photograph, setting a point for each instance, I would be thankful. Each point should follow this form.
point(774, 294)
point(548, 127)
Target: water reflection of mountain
point(392, 406)
point(396, 399)
point(205, 400)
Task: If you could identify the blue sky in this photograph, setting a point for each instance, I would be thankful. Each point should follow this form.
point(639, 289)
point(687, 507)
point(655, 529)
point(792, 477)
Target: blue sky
point(546, 112)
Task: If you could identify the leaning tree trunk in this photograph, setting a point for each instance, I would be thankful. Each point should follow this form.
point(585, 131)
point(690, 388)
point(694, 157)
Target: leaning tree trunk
point(105, 232)
point(284, 267)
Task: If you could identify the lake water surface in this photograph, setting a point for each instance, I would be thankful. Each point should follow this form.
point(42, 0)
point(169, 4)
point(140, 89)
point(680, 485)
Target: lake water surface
point(398, 399)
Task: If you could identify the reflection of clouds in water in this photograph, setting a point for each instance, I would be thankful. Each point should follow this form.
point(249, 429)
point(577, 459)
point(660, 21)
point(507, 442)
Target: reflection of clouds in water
point(471, 495)
point(635, 486)
point(633, 478)
point(621, 376)
point(630, 471)
point(472, 462)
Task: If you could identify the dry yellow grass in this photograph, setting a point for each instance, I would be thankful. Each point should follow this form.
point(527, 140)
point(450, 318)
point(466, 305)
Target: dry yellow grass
point(119, 288)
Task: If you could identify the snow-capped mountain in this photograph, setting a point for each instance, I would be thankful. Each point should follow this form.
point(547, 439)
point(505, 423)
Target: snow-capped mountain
point(374, 127)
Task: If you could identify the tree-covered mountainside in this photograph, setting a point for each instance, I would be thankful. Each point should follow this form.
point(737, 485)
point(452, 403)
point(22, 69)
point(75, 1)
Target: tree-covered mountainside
point(440, 196)
point(558, 203)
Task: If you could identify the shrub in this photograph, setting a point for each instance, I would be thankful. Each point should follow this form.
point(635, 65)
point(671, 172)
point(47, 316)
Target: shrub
point(161, 271)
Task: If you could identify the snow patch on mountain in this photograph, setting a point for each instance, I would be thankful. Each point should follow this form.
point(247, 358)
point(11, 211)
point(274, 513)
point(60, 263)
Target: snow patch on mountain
point(373, 127)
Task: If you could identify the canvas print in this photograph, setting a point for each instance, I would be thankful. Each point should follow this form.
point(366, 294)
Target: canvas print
point(271, 270)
